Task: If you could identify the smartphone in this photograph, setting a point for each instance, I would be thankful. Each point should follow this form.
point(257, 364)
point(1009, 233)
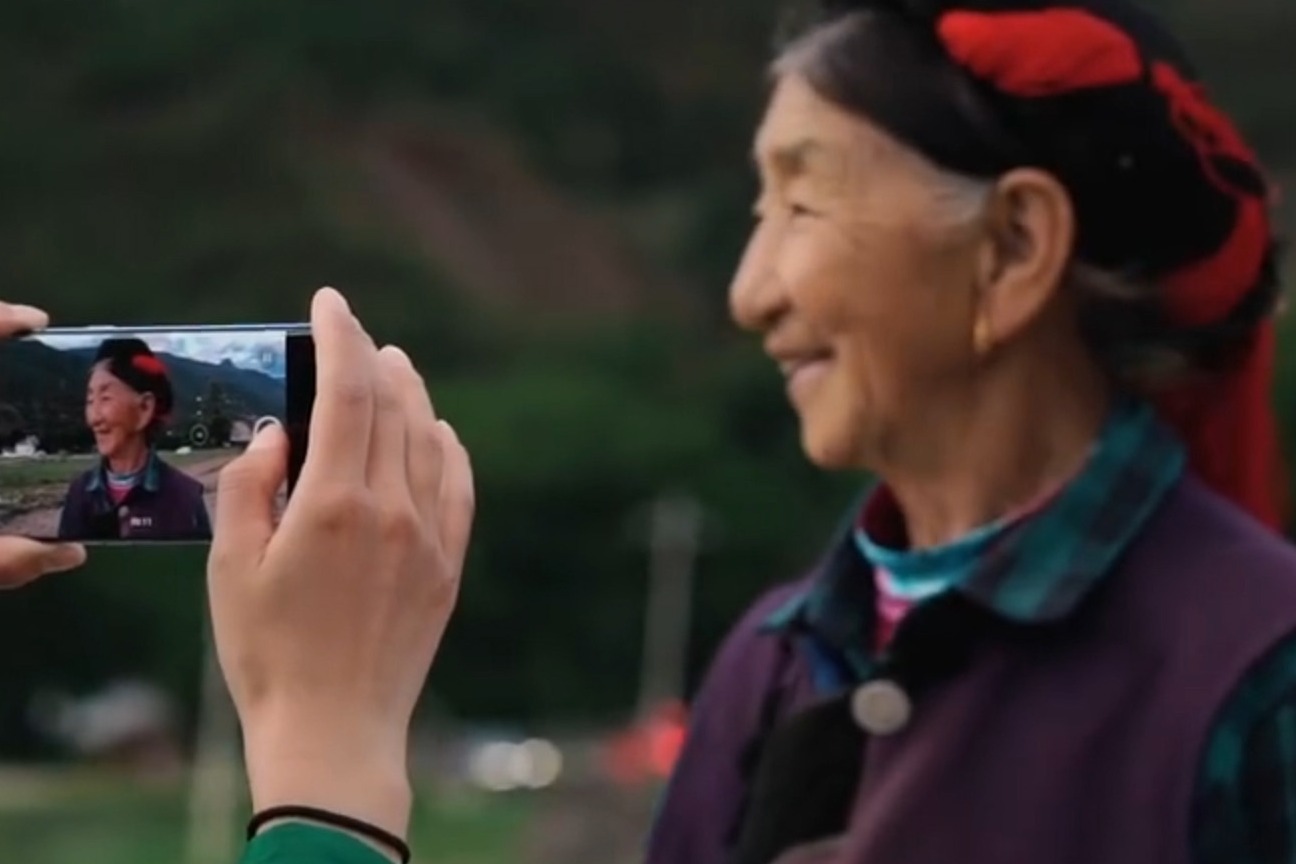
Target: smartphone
point(118, 434)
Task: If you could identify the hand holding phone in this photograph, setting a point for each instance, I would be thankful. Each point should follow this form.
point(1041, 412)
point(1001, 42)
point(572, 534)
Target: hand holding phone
point(326, 623)
point(22, 560)
point(112, 435)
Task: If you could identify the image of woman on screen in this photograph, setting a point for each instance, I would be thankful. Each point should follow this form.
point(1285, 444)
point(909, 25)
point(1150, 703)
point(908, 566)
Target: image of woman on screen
point(131, 493)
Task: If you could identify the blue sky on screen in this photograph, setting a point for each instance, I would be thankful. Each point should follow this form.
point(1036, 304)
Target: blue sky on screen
point(257, 350)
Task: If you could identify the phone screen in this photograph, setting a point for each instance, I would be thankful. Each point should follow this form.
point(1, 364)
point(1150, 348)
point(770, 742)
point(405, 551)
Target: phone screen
point(118, 435)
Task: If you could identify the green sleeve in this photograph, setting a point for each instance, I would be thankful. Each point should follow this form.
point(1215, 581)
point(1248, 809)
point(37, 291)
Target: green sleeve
point(304, 843)
point(1245, 808)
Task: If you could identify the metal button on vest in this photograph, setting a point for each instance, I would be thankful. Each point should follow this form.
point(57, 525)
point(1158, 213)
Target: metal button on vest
point(881, 707)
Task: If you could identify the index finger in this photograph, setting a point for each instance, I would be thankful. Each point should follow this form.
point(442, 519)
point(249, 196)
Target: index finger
point(17, 319)
point(342, 417)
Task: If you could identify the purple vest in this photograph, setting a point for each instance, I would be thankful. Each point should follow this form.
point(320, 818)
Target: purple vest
point(1082, 750)
point(173, 510)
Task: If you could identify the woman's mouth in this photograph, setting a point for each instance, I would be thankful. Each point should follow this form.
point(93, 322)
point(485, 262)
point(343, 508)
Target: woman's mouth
point(803, 374)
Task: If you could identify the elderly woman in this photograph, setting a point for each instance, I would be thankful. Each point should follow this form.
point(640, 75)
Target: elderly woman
point(1010, 260)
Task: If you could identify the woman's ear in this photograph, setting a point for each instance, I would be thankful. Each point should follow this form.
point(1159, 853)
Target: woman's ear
point(148, 411)
point(1030, 234)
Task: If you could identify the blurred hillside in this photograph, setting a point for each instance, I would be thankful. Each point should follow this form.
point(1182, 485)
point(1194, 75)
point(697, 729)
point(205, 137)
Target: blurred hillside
point(541, 199)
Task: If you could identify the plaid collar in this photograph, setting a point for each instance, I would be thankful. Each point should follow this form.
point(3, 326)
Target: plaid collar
point(152, 474)
point(1038, 572)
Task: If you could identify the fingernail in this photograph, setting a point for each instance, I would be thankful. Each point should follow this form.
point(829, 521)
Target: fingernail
point(65, 557)
point(327, 291)
point(33, 319)
point(342, 299)
point(261, 439)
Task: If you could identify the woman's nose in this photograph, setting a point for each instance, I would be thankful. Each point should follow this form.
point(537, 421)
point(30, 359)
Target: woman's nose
point(757, 297)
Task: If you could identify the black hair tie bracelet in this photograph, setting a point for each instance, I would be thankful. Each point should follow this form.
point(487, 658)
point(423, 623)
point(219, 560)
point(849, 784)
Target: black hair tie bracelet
point(336, 820)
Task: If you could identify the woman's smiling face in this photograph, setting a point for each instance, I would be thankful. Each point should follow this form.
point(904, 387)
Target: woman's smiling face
point(117, 415)
point(863, 293)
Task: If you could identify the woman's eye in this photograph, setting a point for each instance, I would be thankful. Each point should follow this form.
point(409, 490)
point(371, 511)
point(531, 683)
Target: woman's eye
point(793, 211)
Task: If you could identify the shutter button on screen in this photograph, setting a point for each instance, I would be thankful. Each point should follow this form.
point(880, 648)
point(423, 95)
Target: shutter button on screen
point(268, 420)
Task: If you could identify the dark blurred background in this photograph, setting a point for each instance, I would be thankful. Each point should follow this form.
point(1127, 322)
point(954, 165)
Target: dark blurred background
point(542, 200)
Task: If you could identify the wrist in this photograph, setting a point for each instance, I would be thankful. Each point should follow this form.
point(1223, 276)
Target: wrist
point(346, 770)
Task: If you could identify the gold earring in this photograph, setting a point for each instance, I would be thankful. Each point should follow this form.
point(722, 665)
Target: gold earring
point(982, 338)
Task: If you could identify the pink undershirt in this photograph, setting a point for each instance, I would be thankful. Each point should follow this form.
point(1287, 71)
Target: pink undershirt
point(882, 520)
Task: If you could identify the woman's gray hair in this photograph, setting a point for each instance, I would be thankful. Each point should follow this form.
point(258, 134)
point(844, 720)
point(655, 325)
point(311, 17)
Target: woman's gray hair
point(1118, 313)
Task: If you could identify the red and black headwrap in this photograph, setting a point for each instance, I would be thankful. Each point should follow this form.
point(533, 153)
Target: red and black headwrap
point(1164, 187)
point(131, 361)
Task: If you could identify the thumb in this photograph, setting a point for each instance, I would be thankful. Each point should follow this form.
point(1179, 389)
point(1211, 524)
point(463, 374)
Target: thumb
point(22, 560)
point(19, 320)
point(245, 495)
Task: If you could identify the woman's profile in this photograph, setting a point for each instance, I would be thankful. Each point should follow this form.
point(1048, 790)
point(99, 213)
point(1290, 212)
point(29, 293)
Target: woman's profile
point(1013, 263)
point(130, 492)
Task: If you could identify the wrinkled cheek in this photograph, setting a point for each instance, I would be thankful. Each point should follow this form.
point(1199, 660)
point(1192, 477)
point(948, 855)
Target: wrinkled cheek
point(837, 429)
point(856, 362)
point(815, 272)
point(870, 391)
